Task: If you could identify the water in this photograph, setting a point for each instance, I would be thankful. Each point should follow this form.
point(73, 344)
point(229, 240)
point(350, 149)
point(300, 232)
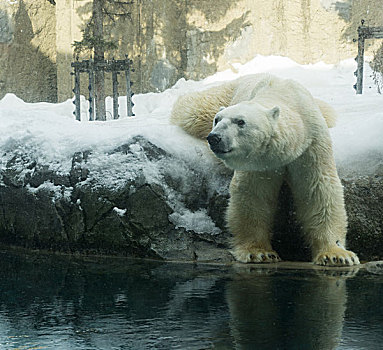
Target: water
point(57, 302)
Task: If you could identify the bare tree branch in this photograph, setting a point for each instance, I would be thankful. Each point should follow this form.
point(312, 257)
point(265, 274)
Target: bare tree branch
point(130, 2)
point(121, 14)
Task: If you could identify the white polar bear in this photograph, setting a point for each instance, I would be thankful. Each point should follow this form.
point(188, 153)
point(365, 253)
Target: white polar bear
point(272, 130)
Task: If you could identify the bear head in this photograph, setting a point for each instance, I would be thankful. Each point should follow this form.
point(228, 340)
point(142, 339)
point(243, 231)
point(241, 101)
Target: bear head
point(242, 136)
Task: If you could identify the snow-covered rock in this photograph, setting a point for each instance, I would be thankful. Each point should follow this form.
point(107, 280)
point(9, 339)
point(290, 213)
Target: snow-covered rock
point(142, 187)
point(167, 219)
point(145, 211)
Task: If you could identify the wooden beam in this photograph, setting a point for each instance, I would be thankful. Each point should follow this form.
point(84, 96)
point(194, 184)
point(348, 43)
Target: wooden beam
point(364, 33)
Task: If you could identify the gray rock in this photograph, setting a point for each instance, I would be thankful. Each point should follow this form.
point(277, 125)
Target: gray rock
point(364, 198)
point(163, 75)
point(6, 28)
point(375, 267)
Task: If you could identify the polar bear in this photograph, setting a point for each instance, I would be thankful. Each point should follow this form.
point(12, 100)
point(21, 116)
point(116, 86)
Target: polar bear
point(270, 130)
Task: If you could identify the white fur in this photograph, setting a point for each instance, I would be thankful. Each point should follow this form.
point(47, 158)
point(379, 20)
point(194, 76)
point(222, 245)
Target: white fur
point(273, 130)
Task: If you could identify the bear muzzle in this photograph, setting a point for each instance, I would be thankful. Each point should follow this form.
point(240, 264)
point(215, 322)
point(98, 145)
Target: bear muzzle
point(216, 144)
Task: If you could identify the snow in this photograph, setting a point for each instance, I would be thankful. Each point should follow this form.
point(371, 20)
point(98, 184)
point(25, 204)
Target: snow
point(198, 221)
point(119, 212)
point(48, 133)
point(55, 191)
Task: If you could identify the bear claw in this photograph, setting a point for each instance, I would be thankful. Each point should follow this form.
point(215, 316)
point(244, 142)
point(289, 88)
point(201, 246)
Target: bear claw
point(337, 257)
point(256, 256)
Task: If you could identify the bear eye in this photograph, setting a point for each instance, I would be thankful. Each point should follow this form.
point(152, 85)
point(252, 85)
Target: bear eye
point(240, 122)
point(216, 121)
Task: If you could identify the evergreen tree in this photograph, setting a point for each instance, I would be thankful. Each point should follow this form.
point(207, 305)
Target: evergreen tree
point(94, 42)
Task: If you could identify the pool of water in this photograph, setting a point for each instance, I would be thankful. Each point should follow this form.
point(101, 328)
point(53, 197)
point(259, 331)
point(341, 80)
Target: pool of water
point(59, 302)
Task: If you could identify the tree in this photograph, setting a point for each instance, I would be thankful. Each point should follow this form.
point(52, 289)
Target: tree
point(94, 41)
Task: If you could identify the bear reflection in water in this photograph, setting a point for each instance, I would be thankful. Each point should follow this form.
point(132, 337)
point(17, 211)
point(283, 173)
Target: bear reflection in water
point(307, 314)
point(133, 304)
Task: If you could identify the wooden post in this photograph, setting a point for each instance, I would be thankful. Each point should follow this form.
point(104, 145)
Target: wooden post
point(76, 91)
point(129, 103)
point(99, 77)
point(360, 61)
point(91, 91)
point(364, 32)
point(115, 94)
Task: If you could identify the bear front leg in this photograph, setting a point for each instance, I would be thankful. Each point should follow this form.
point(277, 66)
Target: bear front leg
point(253, 202)
point(318, 197)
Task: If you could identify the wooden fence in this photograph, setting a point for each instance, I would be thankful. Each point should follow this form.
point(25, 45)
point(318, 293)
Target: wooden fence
point(364, 32)
point(115, 67)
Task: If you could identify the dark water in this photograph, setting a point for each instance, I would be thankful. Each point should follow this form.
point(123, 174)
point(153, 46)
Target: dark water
point(57, 302)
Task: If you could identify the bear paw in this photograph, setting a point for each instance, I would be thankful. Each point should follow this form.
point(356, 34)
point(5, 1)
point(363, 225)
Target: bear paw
point(336, 256)
point(255, 255)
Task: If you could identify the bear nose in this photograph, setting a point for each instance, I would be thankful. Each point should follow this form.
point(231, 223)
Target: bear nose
point(213, 139)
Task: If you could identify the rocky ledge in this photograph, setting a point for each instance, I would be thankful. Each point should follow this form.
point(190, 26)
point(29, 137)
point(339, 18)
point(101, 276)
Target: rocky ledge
point(138, 200)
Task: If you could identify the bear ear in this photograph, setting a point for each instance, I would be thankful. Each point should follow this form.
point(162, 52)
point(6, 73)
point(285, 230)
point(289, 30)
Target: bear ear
point(221, 108)
point(274, 112)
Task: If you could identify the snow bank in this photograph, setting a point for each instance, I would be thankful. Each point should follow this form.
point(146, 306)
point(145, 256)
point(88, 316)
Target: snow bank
point(49, 134)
